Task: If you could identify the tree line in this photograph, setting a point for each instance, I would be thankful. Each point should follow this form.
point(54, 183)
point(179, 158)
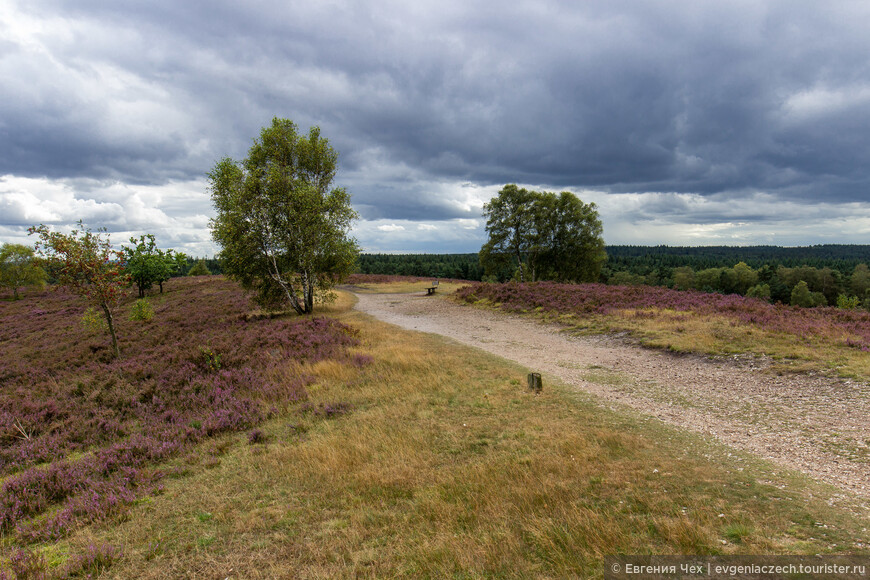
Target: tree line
point(805, 286)
point(458, 266)
point(644, 260)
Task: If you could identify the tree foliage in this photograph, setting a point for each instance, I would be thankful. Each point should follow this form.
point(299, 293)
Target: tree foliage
point(19, 268)
point(542, 235)
point(283, 231)
point(199, 269)
point(457, 266)
point(801, 295)
point(859, 282)
point(512, 231)
point(571, 235)
point(85, 263)
point(148, 265)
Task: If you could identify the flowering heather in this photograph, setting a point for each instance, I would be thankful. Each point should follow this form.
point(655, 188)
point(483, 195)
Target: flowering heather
point(93, 561)
point(850, 327)
point(200, 367)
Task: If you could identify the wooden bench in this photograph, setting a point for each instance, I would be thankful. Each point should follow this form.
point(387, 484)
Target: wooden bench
point(431, 289)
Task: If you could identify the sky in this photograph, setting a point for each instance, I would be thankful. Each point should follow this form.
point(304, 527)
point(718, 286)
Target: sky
point(687, 122)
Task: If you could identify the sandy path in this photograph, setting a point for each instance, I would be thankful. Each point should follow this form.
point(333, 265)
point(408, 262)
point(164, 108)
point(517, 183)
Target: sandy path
point(814, 424)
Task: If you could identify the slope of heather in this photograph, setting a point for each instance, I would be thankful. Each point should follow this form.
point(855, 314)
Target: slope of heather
point(82, 433)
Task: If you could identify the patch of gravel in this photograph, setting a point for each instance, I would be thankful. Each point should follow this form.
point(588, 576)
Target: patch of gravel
point(811, 423)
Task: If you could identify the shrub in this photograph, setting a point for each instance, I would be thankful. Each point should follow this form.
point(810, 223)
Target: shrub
point(211, 359)
point(94, 321)
point(142, 310)
point(819, 299)
point(626, 279)
point(848, 302)
point(759, 291)
point(199, 269)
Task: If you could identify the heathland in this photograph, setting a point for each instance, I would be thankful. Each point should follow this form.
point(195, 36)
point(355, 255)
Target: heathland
point(235, 443)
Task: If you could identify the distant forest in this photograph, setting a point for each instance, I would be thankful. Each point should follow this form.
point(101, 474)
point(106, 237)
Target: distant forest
point(645, 259)
point(459, 266)
point(658, 261)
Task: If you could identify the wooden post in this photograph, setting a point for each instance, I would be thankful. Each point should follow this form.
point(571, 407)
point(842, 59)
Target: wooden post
point(535, 383)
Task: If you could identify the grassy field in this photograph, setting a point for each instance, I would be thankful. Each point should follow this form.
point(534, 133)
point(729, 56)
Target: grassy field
point(432, 460)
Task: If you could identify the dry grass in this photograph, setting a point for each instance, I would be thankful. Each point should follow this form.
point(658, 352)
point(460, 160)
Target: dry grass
point(447, 467)
point(405, 287)
point(718, 335)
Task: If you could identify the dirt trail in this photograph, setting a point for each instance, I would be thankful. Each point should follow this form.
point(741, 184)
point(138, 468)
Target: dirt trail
point(814, 424)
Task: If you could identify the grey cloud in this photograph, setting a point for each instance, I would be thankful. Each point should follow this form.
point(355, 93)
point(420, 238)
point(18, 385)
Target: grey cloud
point(720, 100)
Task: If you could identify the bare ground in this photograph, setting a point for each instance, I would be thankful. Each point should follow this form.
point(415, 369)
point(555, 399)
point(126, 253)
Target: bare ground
point(814, 424)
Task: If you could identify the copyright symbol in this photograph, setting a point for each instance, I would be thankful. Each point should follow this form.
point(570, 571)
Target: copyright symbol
point(615, 568)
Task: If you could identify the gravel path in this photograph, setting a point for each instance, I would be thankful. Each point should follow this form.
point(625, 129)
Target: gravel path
point(814, 424)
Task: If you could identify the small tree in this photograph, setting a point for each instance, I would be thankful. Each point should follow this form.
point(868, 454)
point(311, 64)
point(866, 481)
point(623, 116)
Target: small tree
point(684, 278)
point(199, 269)
point(86, 264)
point(801, 295)
point(283, 231)
point(708, 279)
point(179, 267)
point(759, 291)
point(744, 277)
point(19, 268)
point(147, 264)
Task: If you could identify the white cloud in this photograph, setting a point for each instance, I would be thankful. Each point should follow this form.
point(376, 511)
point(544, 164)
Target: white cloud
point(821, 101)
point(391, 228)
point(27, 202)
point(176, 213)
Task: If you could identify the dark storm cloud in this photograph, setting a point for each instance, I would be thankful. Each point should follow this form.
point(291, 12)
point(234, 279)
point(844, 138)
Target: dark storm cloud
point(675, 97)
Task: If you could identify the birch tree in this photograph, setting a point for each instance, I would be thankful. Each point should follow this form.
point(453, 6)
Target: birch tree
point(283, 231)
